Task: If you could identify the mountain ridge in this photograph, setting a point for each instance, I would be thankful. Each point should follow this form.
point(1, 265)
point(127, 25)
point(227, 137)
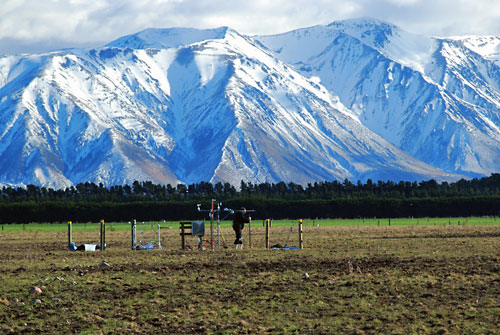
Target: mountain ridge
point(448, 99)
point(188, 105)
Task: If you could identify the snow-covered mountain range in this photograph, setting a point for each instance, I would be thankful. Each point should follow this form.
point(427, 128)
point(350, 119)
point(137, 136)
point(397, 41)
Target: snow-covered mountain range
point(356, 99)
point(437, 99)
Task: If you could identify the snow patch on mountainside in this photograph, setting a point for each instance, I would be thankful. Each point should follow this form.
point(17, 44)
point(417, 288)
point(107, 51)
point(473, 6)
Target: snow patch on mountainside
point(298, 46)
point(356, 99)
point(158, 38)
point(412, 50)
point(486, 46)
point(433, 98)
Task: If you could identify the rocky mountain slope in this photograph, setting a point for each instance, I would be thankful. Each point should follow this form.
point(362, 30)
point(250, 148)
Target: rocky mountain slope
point(438, 99)
point(355, 99)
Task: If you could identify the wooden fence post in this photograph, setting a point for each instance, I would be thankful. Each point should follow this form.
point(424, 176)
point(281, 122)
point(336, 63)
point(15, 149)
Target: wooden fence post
point(249, 234)
point(70, 233)
point(267, 234)
point(301, 241)
point(103, 235)
point(184, 227)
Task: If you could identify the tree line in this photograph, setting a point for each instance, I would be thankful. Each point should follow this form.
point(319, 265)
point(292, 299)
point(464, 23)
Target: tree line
point(88, 202)
point(327, 190)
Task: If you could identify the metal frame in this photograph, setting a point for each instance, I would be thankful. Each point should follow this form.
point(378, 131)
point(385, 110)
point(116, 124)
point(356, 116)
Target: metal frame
point(133, 227)
point(211, 214)
point(102, 234)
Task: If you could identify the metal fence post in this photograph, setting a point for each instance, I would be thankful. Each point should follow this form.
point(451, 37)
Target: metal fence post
point(301, 240)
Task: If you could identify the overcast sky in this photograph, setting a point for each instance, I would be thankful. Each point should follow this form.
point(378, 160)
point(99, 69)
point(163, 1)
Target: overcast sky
point(41, 25)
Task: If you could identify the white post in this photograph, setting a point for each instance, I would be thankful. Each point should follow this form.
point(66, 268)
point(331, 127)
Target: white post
point(134, 222)
point(212, 244)
point(159, 237)
point(218, 226)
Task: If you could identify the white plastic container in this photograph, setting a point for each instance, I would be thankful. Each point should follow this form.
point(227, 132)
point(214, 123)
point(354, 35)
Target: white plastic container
point(89, 247)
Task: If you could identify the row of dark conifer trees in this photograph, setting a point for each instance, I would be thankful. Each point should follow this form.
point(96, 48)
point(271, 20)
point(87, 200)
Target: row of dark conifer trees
point(148, 191)
point(149, 201)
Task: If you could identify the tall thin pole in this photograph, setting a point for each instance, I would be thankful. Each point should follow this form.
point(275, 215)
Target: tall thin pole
point(301, 240)
point(267, 233)
point(183, 243)
point(159, 237)
point(70, 233)
point(249, 234)
point(212, 225)
point(103, 235)
point(218, 225)
point(133, 234)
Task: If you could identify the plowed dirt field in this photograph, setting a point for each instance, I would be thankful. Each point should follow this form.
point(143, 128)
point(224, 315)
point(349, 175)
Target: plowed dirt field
point(346, 280)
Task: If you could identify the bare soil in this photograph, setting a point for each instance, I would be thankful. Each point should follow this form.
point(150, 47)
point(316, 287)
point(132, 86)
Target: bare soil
point(346, 280)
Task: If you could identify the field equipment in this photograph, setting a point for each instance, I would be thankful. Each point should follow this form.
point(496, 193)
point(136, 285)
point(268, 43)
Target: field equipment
point(211, 213)
point(194, 228)
point(149, 236)
point(286, 246)
point(100, 245)
point(288, 238)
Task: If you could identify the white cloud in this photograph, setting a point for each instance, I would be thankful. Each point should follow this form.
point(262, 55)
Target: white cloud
point(30, 24)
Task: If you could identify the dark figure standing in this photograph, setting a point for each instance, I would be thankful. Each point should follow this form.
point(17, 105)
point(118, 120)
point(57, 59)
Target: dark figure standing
point(238, 223)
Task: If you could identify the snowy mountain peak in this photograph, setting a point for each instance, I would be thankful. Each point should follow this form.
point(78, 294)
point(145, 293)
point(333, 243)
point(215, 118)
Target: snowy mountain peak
point(356, 99)
point(163, 38)
point(486, 46)
point(409, 49)
point(437, 99)
point(370, 30)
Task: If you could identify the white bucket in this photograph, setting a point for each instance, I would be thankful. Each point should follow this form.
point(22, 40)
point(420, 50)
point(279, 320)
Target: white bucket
point(89, 247)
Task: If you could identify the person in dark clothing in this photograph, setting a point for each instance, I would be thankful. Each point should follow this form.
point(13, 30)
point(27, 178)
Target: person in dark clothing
point(238, 223)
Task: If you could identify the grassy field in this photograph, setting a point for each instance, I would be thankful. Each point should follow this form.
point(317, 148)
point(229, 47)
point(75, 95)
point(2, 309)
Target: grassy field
point(425, 278)
point(124, 226)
